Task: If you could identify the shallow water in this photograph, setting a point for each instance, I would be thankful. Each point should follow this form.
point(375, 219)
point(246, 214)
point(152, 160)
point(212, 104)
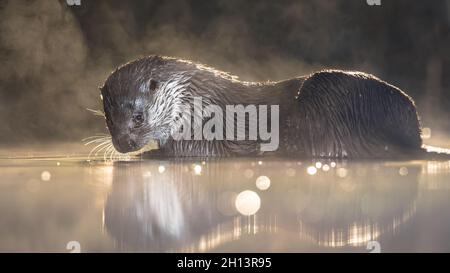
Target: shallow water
point(50, 197)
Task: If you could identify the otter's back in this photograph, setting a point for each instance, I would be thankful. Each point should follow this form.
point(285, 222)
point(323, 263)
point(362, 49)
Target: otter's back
point(355, 114)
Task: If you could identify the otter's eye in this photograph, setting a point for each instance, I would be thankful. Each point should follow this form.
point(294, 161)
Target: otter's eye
point(138, 118)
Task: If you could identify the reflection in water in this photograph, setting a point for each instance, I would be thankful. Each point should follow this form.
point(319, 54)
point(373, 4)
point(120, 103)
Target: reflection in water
point(432, 176)
point(223, 205)
point(190, 206)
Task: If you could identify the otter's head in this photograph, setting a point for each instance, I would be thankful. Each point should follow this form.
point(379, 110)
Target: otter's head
point(139, 100)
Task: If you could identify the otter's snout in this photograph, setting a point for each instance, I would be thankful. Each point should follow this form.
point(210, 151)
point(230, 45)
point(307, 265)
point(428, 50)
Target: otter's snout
point(125, 144)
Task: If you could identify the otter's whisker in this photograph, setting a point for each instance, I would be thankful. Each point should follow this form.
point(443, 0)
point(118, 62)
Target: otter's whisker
point(96, 140)
point(98, 113)
point(112, 156)
point(98, 135)
point(95, 137)
point(104, 146)
point(98, 147)
point(109, 153)
point(105, 154)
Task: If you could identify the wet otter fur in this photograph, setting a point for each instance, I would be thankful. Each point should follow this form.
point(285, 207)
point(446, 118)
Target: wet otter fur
point(330, 113)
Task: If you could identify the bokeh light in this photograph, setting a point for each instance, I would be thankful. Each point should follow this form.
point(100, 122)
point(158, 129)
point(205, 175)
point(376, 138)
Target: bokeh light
point(248, 203)
point(263, 183)
point(46, 176)
point(311, 170)
point(248, 173)
point(426, 133)
point(342, 172)
point(198, 169)
point(403, 171)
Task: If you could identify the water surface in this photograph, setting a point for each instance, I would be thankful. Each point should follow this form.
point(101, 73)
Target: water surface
point(50, 197)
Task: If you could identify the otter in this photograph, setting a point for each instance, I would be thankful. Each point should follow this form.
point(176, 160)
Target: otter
point(329, 113)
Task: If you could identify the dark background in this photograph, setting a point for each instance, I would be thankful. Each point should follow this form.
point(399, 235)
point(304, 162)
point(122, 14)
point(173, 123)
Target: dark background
point(54, 56)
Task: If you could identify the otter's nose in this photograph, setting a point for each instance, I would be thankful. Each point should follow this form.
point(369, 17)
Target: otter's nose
point(125, 144)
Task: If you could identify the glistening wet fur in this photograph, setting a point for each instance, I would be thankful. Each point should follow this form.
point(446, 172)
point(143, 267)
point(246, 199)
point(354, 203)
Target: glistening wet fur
point(330, 113)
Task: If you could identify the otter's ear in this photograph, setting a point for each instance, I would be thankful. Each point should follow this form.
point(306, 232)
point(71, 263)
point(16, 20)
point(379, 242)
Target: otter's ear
point(149, 86)
point(152, 85)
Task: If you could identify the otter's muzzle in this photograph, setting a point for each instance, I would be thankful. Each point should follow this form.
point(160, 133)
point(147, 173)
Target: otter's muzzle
point(125, 144)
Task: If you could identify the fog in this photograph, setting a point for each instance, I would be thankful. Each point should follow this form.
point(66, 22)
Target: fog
point(54, 56)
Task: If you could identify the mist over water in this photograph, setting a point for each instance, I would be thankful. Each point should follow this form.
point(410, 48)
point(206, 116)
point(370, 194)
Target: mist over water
point(45, 80)
point(54, 56)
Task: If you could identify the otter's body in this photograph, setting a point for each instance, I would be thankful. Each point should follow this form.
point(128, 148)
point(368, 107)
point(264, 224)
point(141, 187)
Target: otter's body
point(326, 114)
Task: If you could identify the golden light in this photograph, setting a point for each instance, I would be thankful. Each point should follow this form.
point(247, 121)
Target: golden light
point(311, 170)
point(248, 203)
point(263, 183)
point(161, 169)
point(147, 174)
point(426, 133)
point(342, 172)
point(104, 174)
point(403, 171)
point(198, 169)
point(248, 173)
point(46, 176)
